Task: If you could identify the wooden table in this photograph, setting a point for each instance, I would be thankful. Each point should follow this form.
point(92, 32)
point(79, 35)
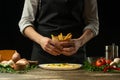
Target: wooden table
point(41, 74)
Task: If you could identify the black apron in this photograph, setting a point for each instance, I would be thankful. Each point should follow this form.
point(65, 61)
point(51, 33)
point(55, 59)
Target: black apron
point(54, 17)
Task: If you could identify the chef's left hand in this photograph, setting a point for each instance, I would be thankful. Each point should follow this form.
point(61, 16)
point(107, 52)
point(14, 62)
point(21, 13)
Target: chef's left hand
point(70, 47)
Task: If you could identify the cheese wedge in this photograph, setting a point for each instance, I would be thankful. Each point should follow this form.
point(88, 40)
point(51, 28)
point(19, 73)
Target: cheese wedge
point(6, 54)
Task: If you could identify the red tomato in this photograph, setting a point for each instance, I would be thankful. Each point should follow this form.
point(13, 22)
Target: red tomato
point(100, 62)
point(108, 61)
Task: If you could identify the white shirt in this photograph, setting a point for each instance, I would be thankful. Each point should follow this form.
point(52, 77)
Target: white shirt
point(90, 15)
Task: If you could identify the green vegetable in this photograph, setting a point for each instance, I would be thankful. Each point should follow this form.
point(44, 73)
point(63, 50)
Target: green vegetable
point(91, 67)
point(8, 69)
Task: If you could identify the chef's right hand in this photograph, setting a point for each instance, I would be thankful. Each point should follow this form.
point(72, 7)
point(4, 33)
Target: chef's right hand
point(51, 47)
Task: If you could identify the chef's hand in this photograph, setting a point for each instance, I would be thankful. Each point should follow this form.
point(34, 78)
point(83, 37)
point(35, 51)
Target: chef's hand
point(71, 47)
point(79, 42)
point(52, 47)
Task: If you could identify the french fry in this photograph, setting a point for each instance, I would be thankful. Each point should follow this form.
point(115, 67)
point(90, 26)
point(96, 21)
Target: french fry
point(68, 36)
point(60, 37)
point(54, 38)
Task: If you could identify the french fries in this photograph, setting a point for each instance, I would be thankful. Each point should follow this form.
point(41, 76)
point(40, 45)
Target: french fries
point(68, 36)
point(60, 37)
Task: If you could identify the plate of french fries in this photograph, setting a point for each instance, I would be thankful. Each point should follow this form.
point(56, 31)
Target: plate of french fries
point(61, 37)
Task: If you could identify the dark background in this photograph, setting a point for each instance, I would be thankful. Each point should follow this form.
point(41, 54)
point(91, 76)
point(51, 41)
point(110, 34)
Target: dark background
point(11, 38)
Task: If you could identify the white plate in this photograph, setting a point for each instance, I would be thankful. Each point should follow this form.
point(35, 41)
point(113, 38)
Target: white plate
point(60, 66)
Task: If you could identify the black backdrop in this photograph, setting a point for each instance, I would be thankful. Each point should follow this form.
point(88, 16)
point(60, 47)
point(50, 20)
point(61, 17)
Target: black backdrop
point(11, 38)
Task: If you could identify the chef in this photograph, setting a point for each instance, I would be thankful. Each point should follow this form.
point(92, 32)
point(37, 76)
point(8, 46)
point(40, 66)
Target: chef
point(41, 18)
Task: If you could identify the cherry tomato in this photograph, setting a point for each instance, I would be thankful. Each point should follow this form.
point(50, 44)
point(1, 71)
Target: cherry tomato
point(100, 62)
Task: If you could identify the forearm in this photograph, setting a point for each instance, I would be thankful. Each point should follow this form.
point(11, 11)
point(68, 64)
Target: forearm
point(32, 34)
point(86, 36)
point(45, 43)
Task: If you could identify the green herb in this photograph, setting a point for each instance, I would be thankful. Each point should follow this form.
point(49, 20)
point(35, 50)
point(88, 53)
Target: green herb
point(90, 67)
point(8, 69)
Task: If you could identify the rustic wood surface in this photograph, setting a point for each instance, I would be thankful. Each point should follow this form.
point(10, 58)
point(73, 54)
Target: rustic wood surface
point(42, 74)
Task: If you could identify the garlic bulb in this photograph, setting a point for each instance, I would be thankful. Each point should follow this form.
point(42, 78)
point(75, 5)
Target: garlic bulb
point(117, 60)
